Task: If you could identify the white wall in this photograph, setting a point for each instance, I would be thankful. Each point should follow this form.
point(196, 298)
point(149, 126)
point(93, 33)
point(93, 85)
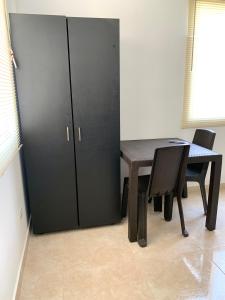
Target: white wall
point(152, 60)
point(13, 223)
point(11, 5)
point(13, 228)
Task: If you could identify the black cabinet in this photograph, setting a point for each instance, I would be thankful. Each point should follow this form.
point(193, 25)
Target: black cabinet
point(94, 67)
point(68, 93)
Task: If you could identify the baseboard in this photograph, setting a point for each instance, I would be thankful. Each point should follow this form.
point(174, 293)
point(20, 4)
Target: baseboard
point(21, 265)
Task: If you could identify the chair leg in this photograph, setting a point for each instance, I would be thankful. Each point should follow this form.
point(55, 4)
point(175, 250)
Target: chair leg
point(124, 198)
point(168, 207)
point(184, 231)
point(204, 197)
point(142, 220)
point(157, 203)
point(185, 191)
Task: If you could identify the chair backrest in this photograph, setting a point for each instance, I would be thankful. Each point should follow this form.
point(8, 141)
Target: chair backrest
point(168, 170)
point(204, 138)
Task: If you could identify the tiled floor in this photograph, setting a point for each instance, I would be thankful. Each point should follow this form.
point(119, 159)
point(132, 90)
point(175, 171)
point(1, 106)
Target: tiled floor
point(100, 263)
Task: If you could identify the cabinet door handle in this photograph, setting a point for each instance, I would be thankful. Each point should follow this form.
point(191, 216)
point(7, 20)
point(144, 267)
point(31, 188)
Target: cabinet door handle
point(67, 134)
point(79, 134)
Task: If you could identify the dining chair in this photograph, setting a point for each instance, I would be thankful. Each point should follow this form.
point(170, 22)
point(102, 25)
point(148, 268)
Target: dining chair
point(166, 178)
point(197, 172)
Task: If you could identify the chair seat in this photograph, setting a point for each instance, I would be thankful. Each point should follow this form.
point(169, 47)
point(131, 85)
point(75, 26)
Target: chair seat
point(192, 174)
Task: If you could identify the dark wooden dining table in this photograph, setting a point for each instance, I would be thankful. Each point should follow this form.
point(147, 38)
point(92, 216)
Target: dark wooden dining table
point(140, 153)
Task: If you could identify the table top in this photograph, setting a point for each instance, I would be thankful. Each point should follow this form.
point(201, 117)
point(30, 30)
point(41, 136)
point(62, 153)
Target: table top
point(142, 151)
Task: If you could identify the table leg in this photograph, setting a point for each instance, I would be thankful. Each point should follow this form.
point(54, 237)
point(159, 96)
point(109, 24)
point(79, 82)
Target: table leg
point(214, 188)
point(142, 220)
point(133, 203)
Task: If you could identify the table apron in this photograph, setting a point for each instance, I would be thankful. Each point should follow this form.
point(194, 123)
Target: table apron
point(192, 160)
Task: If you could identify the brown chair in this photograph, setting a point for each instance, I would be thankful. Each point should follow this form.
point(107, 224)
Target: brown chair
point(167, 178)
point(197, 172)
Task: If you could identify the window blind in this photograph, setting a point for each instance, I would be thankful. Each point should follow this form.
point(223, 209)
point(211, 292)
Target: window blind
point(204, 93)
point(9, 129)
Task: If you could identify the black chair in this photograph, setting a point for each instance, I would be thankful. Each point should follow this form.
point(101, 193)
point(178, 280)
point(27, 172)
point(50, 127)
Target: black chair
point(167, 178)
point(197, 172)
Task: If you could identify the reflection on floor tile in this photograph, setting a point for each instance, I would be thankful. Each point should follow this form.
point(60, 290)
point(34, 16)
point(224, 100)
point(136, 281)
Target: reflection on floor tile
point(100, 263)
point(217, 255)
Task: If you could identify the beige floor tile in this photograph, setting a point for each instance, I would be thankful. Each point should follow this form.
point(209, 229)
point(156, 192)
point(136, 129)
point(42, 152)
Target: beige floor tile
point(191, 276)
point(217, 255)
point(47, 286)
point(43, 272)
point(100, 263)
point(123, 293)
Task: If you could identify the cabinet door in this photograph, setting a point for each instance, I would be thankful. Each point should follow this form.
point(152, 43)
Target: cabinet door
point(43, 88)
point(94, 65)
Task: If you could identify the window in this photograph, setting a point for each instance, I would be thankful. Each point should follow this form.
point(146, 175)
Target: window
point(204, 97)
point(9, 130)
